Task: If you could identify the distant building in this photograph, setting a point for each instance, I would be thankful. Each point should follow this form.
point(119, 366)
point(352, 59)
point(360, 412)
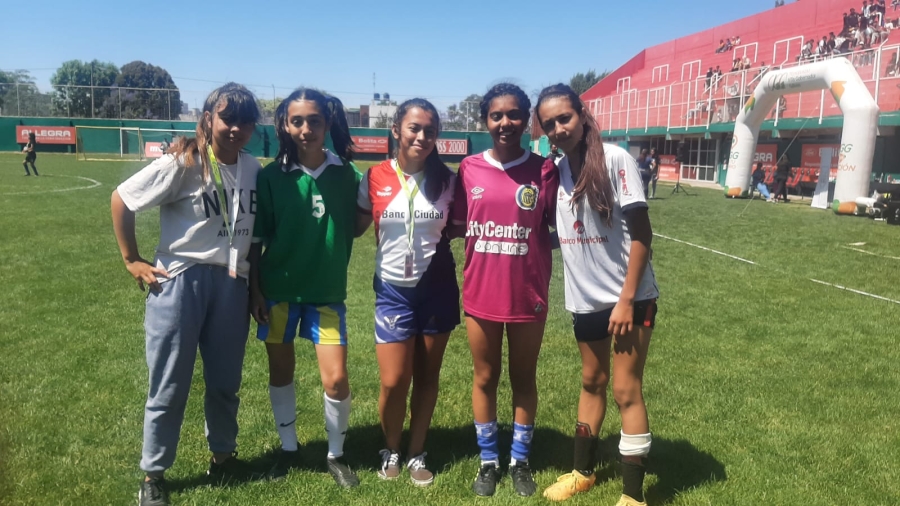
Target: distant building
point(382, 108)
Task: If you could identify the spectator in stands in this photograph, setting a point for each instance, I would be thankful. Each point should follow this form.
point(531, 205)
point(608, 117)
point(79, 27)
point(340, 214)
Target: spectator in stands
point(782, 174)
point(891, 70)
point(747, 63)
point(865, 9)
point(709, 75)
point(736, 65)
point(895, 4)
point(830, 44)
point(721, 48)
point(759, 182)
point(728, 44)
point(822, 47)
point(736, 41)
point(853, 19)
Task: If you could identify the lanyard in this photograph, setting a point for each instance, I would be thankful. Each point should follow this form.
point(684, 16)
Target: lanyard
point(411, 196)
point(223, 198)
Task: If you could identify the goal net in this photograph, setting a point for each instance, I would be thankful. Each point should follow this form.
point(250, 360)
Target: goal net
point(124, 143)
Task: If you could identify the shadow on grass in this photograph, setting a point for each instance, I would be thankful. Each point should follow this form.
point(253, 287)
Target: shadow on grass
point(677, 465)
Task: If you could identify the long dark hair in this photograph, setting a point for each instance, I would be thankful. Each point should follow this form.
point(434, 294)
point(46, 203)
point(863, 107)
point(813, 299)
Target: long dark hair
point(330, 108)
point(593, 182)
point(437, 174)
point(32, 138)
point(239, 107)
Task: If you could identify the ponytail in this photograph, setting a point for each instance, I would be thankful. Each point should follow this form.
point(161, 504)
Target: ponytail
point(331, 109)
point(340, 130)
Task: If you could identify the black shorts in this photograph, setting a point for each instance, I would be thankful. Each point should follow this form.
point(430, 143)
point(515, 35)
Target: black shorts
point(590, 327)
point(31, 157)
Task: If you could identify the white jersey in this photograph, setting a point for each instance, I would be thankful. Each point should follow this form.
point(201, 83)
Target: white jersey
point(192, 230)
point(381, 193)
point(595, 257)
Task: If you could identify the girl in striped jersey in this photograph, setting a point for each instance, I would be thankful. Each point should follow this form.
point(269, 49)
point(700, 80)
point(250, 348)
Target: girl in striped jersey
point(604, 235)
point(416, 293)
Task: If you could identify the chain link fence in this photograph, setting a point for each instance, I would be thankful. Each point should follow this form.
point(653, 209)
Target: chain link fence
point(107, 102)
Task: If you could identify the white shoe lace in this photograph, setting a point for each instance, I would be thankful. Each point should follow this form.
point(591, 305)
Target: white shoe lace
point(417, 462)
point(388, 459)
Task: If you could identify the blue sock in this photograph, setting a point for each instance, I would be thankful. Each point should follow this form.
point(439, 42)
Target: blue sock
point(521, 443)
point(487, 441)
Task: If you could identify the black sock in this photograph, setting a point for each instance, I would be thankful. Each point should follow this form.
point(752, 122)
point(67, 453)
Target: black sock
point(633, 479)
point(585, 449)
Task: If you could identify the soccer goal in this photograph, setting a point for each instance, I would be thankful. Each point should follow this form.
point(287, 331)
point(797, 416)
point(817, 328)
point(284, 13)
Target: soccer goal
point(124, 143)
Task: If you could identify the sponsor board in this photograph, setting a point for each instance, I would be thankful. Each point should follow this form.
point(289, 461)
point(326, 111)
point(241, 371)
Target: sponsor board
point(370, 144)
point(452, 146)
point(45, 134)
point(152, 149)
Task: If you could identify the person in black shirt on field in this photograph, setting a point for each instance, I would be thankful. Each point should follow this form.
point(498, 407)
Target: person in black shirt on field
point(782, 174)
point(30, 155)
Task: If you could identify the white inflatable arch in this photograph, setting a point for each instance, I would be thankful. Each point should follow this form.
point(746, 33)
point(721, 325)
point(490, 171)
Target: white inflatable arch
point(857, 138)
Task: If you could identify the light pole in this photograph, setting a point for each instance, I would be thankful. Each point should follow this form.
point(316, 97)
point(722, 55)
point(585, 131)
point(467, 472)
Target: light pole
point(92, 89)
point(468, 114)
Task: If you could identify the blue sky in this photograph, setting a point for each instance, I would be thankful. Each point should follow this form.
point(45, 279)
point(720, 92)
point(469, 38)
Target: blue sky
point(439, 50)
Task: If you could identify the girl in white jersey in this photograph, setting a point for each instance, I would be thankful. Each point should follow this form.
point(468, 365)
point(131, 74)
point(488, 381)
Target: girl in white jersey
point(204, 189)
point(416, 293)
point(604, 235)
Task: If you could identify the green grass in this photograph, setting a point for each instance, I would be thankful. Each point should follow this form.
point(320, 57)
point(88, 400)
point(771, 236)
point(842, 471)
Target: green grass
point(763, 387)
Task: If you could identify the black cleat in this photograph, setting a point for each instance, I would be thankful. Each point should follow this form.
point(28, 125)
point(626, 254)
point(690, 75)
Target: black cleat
point(284, 462)
point(486, 482)
point(231, 469)
point(153, 493)
point(523, 479)
point(341, 472)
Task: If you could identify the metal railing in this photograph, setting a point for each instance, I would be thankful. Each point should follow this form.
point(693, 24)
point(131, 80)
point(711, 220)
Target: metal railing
point(71, 101)
point(697, 102)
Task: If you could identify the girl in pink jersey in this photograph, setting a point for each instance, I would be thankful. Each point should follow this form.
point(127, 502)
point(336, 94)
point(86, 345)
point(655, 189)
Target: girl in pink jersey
point(416, 293)
point(604, 234)
point(506, 199)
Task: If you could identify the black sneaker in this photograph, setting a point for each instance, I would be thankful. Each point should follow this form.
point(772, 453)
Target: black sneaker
point(341, 472)
point(486, 482)
point(231, 469)
point(153, 493)
point(523, 479)
point(284, 462)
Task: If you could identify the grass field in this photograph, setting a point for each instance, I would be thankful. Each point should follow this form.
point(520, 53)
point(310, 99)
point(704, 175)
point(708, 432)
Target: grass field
point(763, 386)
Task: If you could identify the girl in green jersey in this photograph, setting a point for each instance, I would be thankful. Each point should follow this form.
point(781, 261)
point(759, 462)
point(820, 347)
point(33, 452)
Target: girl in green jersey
point(306, 222)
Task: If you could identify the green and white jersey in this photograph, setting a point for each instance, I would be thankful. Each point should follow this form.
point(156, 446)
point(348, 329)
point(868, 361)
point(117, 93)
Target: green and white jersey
point(306, 219)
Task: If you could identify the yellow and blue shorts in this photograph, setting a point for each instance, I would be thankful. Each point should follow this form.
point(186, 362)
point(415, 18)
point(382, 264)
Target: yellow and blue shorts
point(320, 323)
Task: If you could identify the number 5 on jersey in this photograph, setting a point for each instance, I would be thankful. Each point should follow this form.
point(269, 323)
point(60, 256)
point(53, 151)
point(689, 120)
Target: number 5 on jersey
point(318, 206)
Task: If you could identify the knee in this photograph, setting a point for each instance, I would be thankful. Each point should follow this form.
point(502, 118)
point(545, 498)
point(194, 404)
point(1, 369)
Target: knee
point(595, 382)
point(487, 380)
point(627, 393)
point(394, 383)
point(336, 385)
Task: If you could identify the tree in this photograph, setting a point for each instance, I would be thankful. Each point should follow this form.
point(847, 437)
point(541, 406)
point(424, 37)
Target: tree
point(79, 86)
point(382, 120)
point(20, 96)
point(267, 109)
point(465, 116)
point(583, 82)
point(148, 92)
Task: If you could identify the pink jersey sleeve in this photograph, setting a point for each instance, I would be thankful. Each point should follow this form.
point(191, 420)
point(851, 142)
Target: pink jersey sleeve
point(460, 210)
point(550, 187)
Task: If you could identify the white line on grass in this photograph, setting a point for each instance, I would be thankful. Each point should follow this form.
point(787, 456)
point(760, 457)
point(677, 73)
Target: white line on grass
point(832, 285)
point(870, 253)
point(839, 287)
point(708, 249)
point(40, 192)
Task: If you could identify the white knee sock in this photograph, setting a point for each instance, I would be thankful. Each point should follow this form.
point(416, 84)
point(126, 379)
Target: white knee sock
point(284, 407)
point(337, 420)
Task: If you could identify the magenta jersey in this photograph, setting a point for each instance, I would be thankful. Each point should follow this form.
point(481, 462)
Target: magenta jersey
point(507, 209)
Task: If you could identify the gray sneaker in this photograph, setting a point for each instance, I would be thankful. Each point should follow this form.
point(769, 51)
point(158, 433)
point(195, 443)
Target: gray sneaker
point(390, 465)
point(418, 472)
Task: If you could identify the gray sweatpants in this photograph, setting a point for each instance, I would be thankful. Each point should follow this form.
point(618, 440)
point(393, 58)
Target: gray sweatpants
point(200, 308)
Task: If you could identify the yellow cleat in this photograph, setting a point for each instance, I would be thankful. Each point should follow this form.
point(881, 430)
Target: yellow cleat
point(628, 501)
point(568, 485)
